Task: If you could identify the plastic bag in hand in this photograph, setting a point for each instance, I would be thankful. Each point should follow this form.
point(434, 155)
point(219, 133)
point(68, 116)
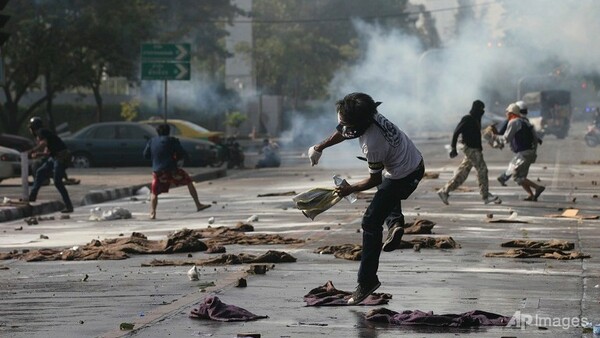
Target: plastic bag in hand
point(315, 201)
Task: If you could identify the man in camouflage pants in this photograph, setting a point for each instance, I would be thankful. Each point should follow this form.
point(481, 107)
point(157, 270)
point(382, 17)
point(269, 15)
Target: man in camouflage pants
point(470, 129)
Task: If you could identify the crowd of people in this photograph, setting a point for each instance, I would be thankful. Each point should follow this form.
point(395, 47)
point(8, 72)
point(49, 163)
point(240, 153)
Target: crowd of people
point(395, 166)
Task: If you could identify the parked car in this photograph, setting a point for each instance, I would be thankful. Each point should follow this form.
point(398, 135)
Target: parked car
point(183, 128)
point(21, 144)
point(16, 142)
point(121, 144)
point(10, 163)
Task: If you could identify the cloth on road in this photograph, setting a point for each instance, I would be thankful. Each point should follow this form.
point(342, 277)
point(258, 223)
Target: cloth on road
point(328, 295)
point(212, 308)
point(422, 226)
point(551, 244)
point(467, 319)
point(353, 252)
point(539, 253)
point(271, 256)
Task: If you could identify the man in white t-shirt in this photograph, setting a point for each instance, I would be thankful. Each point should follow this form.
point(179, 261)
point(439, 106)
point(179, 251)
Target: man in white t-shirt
point(395, 168)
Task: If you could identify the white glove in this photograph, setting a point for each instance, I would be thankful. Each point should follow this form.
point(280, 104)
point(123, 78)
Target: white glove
point(314, 155)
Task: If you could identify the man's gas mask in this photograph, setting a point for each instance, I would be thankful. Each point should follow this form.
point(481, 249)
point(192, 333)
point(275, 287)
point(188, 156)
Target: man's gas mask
point(352, 130)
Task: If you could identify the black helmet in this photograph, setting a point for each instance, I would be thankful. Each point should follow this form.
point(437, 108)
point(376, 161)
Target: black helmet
point(35, 123)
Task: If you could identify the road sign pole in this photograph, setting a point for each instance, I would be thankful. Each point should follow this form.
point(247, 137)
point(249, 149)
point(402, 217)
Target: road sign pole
point(166, 101)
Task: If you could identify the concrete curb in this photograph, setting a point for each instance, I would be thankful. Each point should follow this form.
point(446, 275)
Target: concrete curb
point(93, 197)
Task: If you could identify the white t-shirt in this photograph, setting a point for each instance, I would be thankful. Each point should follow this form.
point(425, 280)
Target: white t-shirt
point(388, 149)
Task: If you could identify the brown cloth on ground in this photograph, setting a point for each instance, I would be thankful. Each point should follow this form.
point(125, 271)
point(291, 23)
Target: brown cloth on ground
point(350, 252)
point(270, 256)
point(328, 295)
point(353, 252)
point(224, 236)
point(212, 308)
point(538, 253)
point(185, 240)
point(421, 226)
point(116, 248)
point(551, 244)
point(417, 317)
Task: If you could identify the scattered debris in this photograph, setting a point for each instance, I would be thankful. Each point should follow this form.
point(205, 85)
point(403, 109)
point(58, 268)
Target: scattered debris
point(19, 228)
point(31, 221)
point(260, 269)
point(513, 218)
point(431, 175)
point(193, 273)
point(553, 243)
point(253, 218)
point(85, 278)
point(555, 249)
point(126, 326)
point(353, 251)
point(573, 213)
point(328, 295)
point(287, 193)
point(96, 214)
point(65, 216)
point(270, 256)
point(421, 318)
point(421, 226)
point(44, 237)
point(241, 283)
point(211, 220)
point(213, 249)
point(212, 308)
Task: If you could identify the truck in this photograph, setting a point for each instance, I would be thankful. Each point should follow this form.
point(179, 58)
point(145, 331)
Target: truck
point(550, 111)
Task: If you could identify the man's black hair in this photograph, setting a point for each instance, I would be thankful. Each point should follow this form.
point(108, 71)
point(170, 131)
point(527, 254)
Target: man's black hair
point(357, 108)
point(163, 129)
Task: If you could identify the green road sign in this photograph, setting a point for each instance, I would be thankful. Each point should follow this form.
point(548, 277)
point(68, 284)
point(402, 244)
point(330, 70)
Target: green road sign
point(179, 52)
point(165, 71)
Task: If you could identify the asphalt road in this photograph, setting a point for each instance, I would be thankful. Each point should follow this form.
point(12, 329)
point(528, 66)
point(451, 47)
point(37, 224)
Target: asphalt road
point(50, 299)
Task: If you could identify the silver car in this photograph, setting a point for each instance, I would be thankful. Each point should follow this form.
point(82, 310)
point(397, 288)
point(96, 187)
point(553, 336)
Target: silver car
point(10, 163)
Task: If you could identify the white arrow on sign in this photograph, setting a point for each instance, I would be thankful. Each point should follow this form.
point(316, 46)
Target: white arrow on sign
point(183, 52)
point(183, 71)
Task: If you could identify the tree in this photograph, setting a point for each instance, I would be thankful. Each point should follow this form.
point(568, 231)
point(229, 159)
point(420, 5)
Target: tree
point(300, 45)
point(111, 32)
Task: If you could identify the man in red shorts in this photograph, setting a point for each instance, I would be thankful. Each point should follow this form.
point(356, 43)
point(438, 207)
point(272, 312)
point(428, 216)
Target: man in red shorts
point(165, 151)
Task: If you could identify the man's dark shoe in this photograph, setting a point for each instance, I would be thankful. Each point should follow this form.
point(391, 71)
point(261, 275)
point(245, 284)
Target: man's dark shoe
point(67, 210)
point(538, 192)
point(392, 242)
point(363, 291)
point(502, 179)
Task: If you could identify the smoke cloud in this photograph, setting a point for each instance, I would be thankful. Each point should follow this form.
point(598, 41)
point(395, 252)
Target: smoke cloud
point(428, 90)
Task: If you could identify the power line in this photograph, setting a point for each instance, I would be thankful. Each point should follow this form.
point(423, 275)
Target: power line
point(368, 17)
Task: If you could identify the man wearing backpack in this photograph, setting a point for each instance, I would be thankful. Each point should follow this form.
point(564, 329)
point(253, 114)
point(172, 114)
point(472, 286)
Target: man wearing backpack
point(523, 140)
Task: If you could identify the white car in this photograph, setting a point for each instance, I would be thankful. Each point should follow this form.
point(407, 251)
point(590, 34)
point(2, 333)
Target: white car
point(10, 163)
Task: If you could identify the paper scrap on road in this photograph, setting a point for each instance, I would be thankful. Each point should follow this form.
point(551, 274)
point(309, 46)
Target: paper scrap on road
point(573, 213)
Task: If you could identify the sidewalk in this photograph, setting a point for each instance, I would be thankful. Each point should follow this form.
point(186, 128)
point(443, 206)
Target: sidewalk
point(97, 185)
